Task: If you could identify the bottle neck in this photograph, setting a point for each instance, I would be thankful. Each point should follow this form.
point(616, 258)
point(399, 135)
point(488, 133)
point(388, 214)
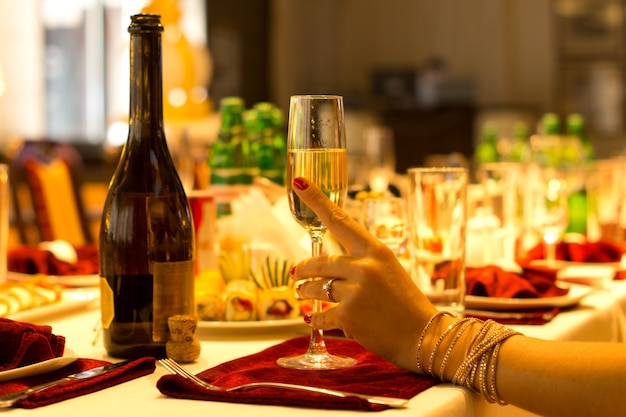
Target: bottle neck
point(146, 91)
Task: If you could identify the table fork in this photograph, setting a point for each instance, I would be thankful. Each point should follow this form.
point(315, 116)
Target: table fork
point(172, 366)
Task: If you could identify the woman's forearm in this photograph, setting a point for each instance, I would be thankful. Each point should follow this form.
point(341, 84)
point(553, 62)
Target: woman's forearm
point(563, 378)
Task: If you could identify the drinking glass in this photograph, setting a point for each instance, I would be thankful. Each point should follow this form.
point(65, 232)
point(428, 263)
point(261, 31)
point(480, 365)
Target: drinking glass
point(549, 211)
point(316, 150)
point(495, 224)
point(603, 194)
point(385, 219)
point(553, 173)
point(437, 199)
point(380, 157)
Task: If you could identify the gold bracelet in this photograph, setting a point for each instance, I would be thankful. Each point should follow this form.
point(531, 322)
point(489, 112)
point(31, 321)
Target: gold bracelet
point(481, 360)
point(468, 323)
point(423, 335)
point(445, 333)
point(466, 369)
point(477, 371)
point(494, 392)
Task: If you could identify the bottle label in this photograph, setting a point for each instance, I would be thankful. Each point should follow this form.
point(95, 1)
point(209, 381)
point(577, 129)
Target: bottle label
point(107, 305)
point(173, 286)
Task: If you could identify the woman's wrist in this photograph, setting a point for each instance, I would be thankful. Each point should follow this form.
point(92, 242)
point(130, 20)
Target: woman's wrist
point(462, 351)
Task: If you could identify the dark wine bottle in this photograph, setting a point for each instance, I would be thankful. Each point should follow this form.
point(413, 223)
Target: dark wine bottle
point(146, 236)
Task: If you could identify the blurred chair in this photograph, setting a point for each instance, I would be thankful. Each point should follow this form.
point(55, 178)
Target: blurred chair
point(46, 187)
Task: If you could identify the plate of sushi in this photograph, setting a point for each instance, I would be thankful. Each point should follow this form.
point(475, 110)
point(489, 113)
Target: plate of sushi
point(235, 297)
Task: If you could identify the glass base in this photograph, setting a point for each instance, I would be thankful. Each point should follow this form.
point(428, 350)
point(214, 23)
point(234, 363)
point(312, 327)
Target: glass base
point(310, 361)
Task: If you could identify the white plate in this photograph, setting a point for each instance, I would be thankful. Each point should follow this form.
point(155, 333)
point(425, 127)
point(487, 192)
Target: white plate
point(559, 264)
point(252, 325)
point(71, 300)
point(91, 280)
point(573, 297)
point(596, 275)
point(40, 367)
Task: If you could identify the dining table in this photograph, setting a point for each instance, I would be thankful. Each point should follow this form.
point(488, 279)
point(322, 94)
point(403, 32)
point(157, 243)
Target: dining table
point(599, 316)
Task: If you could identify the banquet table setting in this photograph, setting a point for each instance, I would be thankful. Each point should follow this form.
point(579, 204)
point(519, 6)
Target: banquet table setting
point(598, 317)
point(62, 338)
point(222, 303)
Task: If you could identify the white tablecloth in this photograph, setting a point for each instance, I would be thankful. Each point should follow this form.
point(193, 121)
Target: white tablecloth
point(599, 317)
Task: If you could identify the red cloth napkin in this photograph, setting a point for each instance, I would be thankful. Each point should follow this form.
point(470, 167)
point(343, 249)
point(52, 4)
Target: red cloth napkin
point(76, 388)
point(493, 281)
point(24, 344)
point(372, 375)
point(29, 260)
point(579, 252)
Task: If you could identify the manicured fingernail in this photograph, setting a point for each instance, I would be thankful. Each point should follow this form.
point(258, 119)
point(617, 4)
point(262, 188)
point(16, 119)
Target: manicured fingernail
point(300, 183)
point(307, 318)
point(299, 287)
point(292, 270)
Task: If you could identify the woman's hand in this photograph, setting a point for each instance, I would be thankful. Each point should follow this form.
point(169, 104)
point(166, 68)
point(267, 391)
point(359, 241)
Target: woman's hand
point(378, 304)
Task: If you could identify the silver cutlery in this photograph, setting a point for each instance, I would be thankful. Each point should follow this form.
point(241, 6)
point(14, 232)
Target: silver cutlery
point(8, 400)
point(175, 368)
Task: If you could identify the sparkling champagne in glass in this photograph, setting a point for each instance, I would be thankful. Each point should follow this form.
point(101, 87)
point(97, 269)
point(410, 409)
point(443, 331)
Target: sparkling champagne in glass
point(316, 150)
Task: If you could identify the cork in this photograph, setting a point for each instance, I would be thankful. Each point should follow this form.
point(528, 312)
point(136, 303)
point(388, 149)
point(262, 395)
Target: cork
point(182, 345)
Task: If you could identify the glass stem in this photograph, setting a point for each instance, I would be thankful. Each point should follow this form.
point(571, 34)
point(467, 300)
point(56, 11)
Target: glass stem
point(317, 346)
point(550, 249)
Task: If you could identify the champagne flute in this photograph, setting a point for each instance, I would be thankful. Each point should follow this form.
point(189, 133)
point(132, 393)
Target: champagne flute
point(316, 150)
point(551, 216)
point(553, 166)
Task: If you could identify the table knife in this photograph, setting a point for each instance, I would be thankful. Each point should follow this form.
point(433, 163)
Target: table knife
point(8, 400)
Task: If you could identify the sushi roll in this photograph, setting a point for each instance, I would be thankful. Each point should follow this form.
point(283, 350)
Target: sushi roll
point(240, 301)
point(278, 303)
point(209, 300)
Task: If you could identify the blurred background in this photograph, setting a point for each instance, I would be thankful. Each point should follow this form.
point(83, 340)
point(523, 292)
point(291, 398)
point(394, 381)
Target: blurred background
point(434, 72)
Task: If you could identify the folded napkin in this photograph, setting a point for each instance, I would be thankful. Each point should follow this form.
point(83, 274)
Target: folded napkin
point(32, 260)
point(76, 388)
point(24, 344)
point(372, 375)
point(493, 281)
point(599, 252)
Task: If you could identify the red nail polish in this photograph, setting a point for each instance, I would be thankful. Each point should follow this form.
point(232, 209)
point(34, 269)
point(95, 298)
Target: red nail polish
point(300, 183)
point(307, 318)
point(292, 270)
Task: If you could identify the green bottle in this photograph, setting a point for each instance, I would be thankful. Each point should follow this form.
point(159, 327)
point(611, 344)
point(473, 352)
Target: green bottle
point(280, 143)
point(231, 159)
point(576, 128)
point(520, 141)
point(576, 161)
point(487, 149)
point(268, 148)
point(550, 124)
point(550, 131)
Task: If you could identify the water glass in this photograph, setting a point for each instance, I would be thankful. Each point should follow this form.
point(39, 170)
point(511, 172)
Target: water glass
point(385, 218)
point(436, 218)
point(494, 225)
point(380, 157)
point(603, 182)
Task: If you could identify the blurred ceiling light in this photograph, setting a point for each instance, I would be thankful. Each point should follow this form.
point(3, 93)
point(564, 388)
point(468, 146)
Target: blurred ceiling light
point(117, 132)
point(177, 97)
